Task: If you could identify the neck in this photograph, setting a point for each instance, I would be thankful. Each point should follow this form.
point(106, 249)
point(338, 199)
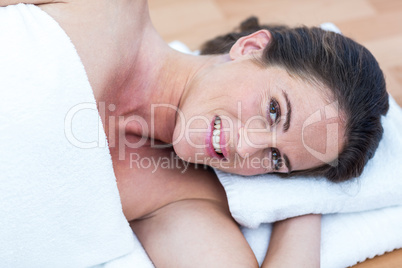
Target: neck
point(159, 80)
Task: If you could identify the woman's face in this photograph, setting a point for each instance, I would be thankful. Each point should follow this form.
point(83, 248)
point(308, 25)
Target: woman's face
point(244, 119)
point(247, 119)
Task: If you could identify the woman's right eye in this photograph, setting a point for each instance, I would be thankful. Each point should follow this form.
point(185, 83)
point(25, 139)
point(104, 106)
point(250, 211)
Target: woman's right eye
point(276, 159)
point(274, 111)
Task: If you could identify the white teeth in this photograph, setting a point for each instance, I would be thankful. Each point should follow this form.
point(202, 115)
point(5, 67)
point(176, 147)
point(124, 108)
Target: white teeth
point(216, 136)
point(216, 147)
point(217, 124)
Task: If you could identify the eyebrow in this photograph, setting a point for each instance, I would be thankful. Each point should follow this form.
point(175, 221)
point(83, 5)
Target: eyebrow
point(287, 163)
point(286, 125)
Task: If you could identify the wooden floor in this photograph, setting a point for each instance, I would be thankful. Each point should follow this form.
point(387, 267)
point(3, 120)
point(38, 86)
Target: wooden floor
point(377, 24)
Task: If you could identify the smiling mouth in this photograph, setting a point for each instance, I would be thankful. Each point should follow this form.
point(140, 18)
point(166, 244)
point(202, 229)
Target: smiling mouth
point(216, 136)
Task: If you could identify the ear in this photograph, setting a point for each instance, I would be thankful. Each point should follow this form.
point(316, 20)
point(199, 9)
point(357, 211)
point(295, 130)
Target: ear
point(255, 42)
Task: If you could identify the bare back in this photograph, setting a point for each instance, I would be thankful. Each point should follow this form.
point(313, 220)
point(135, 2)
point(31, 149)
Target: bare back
point(106, 43)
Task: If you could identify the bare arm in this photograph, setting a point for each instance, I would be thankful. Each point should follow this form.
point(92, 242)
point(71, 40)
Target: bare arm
point(194, 233)
point(295, 242)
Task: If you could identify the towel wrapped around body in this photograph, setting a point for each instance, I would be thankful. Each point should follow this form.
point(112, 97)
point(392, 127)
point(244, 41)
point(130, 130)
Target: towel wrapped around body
point(59, 203)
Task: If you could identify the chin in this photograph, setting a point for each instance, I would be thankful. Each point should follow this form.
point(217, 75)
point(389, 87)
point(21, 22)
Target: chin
point(240, 171)
point(182, 153)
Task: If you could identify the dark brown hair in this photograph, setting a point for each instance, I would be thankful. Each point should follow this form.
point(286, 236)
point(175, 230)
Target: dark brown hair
point(348, 69)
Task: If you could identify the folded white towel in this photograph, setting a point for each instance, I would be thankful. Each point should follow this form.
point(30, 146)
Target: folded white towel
point(347, 238)
point(59, 203)
point(268, 198)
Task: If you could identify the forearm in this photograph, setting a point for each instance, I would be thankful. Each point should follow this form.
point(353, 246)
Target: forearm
point(295, 242)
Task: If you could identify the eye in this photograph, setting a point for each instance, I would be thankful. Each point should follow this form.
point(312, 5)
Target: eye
point(276, 159)
point(274, 111)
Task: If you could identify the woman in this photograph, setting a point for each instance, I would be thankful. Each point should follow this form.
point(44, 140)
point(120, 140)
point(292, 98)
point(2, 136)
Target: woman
point(220, 111)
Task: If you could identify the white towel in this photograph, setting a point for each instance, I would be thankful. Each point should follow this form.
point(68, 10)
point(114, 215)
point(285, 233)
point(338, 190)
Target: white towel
point(268, 198)
point(138, 258)
point(59, 203)
point(347, 238)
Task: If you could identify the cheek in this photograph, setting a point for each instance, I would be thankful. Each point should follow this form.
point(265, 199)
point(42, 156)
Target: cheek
point(247, 168)
point(315, 137)
point(319, 144)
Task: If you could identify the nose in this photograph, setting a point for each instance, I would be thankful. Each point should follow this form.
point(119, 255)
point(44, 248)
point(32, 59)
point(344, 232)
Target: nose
point(252, 141)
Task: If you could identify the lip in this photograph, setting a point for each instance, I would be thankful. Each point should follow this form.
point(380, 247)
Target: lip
point(208, 141)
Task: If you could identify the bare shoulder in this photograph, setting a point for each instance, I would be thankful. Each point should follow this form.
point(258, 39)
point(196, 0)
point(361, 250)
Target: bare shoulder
point(150, 178)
